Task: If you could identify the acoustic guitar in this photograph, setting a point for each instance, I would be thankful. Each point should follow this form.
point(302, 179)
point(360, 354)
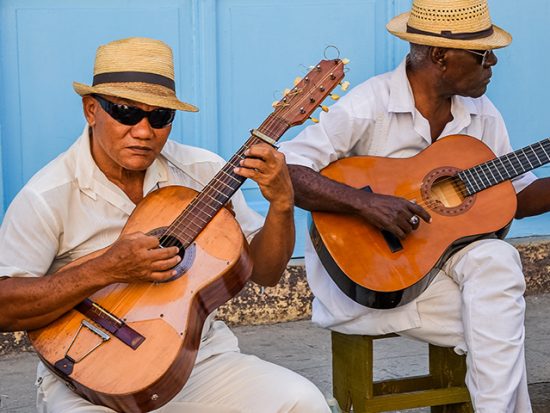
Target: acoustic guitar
point(132, 347)
point(458, 180)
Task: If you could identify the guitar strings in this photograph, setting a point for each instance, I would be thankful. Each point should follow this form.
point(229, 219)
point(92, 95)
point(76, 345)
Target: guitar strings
point(270, 123)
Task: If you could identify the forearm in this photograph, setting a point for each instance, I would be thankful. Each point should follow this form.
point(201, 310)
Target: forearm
point(314, 192)
point(272, 247)
point(535, 199)
point(29, 303)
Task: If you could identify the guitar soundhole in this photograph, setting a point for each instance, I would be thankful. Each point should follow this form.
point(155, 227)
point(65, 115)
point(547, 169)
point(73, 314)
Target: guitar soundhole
point(187, 254)
point(445, 193)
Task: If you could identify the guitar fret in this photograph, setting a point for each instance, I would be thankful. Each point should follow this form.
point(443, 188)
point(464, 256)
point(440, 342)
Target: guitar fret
point(534, 152)
point(487, 178)
point(469, 185)
point(519, 161)
point(544, 150)
point(481, 184)
point(505, 169)
point(493, 163)
point(507, 158)
point(494, 181)
point(527, 157)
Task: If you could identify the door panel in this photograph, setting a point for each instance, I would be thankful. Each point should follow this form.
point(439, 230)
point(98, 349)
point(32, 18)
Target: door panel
point(233, 59)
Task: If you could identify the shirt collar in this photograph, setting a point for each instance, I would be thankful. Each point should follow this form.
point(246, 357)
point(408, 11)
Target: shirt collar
point(401, 96)
point(88, 174)
point(402, 99)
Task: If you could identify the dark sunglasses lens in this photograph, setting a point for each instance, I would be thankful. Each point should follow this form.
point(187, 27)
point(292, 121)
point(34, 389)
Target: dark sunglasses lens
point(160, 118)
point(127, 115)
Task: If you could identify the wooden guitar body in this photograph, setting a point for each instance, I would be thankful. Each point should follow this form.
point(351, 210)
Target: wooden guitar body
point(132, 347)
point(168, 316)
point(360, 259)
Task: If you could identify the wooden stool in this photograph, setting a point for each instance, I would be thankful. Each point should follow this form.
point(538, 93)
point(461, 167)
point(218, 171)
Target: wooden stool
point(352, 378)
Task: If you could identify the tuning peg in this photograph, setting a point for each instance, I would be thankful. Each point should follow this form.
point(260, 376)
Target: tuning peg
point(314, 120)
point(344, 85)
point(334, 96)
point(297, 80)
point(286, 92)
point(274, 104)
point(345, 60)
point(324, 107)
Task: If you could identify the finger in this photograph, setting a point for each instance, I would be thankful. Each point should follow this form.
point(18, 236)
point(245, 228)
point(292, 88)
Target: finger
point(145, 241)
point(159, 276)
point(397, 231)
point(164, 265)
point(253, 163)
point(261, 150)
point(421, 212)
point(247, 173)
point(157, 254)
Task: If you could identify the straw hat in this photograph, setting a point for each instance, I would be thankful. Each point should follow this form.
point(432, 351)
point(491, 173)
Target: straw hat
point(138, 69)
point(458, 24)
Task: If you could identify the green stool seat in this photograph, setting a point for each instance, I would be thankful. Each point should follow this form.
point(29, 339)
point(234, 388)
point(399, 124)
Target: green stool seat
point(353, 385)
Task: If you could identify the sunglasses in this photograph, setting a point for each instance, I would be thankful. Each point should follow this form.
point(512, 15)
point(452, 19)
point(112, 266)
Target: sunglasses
point(130, 115)
point(483, 53)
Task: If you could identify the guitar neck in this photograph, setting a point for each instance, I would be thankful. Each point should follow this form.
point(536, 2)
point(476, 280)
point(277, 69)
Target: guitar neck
point(221, 187)
point(505, 167)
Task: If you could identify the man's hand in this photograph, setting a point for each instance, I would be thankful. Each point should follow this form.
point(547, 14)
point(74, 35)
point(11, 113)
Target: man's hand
point(266, 166)
point(137, 257)
point(391, 213)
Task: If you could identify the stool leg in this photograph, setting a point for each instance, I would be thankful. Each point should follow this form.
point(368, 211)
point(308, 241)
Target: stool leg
point(352, 371)
point(448, 369)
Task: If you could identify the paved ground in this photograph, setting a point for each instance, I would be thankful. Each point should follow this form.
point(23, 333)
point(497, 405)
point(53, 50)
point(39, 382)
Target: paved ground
point(306, 349)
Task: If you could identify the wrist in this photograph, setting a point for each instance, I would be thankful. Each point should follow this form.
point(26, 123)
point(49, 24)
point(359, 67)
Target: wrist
point(282, 207)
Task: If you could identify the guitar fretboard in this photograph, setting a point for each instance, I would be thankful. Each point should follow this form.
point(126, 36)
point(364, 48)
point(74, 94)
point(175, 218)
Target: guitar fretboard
point(220, 189)
point(506, 167)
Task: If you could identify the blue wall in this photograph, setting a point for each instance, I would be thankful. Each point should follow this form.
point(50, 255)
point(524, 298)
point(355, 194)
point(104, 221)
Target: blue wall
point(233, 58)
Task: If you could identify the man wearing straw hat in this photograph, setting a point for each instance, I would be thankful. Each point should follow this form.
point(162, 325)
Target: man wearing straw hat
point(475, 303)
point(80, 202)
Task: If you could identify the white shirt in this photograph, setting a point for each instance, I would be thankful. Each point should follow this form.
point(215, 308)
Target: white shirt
point(379, 117)
point(70, 208)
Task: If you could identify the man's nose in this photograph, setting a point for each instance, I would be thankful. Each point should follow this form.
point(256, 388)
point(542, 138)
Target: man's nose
point(142, 129)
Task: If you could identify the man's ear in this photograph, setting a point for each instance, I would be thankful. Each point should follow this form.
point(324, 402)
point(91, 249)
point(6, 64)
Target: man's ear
point(439, 57)
point(89, 106)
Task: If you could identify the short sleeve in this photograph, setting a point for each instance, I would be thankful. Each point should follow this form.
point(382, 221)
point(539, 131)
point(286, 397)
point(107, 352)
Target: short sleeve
point(28, 237)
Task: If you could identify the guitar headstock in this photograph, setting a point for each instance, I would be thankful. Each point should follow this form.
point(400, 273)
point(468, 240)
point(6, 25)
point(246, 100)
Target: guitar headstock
point(301, 101)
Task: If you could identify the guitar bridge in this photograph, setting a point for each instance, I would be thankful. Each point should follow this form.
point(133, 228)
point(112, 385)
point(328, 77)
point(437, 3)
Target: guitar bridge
point(111, 323)
point(66, 364)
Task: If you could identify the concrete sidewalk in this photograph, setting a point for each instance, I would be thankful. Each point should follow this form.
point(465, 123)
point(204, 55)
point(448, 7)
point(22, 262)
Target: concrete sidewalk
point(305, 348)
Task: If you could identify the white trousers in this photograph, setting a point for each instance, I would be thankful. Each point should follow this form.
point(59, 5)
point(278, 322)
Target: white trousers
point(222, 381)
point(486, 323)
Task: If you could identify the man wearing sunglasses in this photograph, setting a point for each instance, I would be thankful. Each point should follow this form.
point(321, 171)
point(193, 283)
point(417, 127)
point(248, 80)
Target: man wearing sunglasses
point(475, 302)
point(80, 202)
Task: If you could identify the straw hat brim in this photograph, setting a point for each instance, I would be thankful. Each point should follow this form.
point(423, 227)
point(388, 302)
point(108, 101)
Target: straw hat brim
point(398, 27)
point(153, 95)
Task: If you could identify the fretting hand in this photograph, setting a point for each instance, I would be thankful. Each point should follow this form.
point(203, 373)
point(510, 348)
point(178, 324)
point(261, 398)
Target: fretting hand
point(267, 167)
